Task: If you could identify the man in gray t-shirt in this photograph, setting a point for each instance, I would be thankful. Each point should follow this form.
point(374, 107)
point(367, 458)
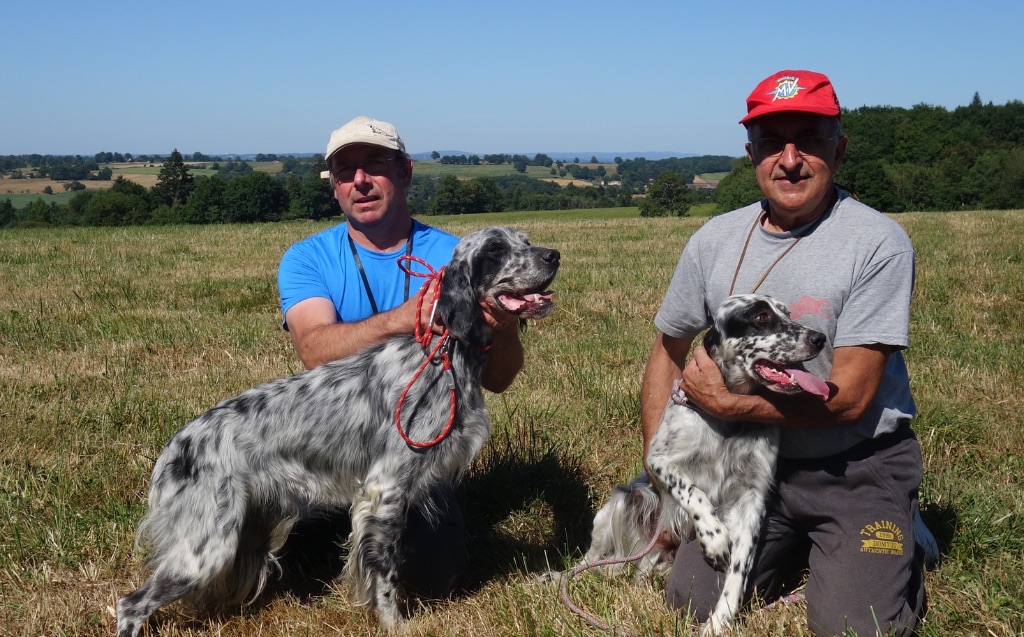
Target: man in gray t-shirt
point(848, 474)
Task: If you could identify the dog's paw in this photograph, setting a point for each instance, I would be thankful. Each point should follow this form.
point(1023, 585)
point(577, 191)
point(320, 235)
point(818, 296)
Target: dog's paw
point(717, 548)
point(715, 626)
point(550, 578)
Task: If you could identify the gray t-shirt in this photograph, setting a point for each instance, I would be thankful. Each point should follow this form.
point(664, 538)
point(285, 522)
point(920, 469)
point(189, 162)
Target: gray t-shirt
point(850, 277)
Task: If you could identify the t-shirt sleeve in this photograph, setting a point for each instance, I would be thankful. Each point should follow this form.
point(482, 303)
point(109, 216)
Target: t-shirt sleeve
point(683, 311)
point(878, 308)
point(300, 277)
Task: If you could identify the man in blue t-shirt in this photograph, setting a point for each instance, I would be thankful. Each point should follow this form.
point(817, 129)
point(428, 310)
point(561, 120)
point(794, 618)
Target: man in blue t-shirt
point(342, 290)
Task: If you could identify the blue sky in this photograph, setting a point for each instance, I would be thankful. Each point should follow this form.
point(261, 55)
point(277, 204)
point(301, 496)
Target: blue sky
point(227, 76)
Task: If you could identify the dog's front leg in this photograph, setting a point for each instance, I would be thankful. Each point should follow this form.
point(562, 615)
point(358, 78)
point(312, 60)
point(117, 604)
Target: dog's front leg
point(744, 522)
point(711, 533)
point(378, 521)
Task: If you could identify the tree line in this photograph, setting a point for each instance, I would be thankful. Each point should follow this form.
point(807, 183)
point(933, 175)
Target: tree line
point(920, 158)
point(239, 194)
point(899, 159)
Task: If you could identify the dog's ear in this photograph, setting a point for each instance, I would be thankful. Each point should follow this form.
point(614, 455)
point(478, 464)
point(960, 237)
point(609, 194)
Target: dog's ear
point(457, 306)
point(712, 341)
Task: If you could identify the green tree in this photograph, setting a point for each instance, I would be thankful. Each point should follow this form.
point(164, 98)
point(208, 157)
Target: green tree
point(668, 195)
point(739, 188)
point(7, 214)
point(174, 183)
point(435, 155)
point(116, 208)
point(451, 198)
point(206, 203)
point(254, 197)
point(310, 198)
point(484, 195)
point(38, 213)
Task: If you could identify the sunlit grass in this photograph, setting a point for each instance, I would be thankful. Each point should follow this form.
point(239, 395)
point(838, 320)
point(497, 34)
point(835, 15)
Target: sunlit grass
point(111, 339)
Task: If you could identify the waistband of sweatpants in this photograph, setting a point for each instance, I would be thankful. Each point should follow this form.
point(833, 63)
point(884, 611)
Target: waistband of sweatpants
point(861, 450)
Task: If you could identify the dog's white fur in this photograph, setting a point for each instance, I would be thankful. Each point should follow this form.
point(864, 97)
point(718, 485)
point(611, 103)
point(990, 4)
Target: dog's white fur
point(229, 486)
point(711, 478)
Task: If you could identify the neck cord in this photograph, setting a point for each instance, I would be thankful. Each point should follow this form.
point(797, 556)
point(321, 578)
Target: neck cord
point(743, 253)
point(362, 273)
point(759, 219)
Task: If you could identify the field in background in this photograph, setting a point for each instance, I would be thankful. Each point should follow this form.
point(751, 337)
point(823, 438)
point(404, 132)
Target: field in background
point(437, 169)
point(111, 339)
point(22, 192)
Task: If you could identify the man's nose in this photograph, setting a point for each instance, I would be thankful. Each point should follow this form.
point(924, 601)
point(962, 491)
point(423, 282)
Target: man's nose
point(790, 155)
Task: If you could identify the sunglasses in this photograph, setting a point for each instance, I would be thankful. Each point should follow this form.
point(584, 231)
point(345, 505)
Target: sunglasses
point(373, 166)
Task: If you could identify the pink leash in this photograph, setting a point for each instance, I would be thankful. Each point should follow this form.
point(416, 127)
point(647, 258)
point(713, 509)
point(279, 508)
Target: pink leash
point(594, 620)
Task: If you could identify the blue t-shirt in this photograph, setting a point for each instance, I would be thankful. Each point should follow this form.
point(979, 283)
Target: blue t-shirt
point(322, 266)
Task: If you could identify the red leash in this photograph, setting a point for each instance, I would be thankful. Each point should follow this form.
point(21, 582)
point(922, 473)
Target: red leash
point(438, 355)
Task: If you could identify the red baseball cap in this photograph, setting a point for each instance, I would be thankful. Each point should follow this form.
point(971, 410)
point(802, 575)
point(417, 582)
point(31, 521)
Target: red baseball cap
point(802, 91)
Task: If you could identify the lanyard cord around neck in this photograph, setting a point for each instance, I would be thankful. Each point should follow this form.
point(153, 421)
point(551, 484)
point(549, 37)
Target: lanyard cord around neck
point(764, 214)
point(362, 272)
point(743, 253)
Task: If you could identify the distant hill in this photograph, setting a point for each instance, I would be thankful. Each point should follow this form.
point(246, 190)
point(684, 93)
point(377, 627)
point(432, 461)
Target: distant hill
point(584, 156)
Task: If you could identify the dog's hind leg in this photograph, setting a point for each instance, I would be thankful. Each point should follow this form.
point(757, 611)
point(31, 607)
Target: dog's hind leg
point(378, 521)
point(161, 588)
point(711, 533)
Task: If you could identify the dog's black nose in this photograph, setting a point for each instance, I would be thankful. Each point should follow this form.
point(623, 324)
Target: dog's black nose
point(818, 339)
point(550, 256)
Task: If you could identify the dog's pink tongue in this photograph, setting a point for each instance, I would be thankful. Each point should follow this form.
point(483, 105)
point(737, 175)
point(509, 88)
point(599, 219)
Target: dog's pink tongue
point(511, 303)
point(514, 304)
point(810, 383)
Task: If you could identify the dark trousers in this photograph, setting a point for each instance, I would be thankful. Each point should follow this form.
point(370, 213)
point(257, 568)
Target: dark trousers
point(847, 521)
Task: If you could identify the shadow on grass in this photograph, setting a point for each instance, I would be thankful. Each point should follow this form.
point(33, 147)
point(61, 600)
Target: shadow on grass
point(942, 520)
point(524, 477)
point(516, 474)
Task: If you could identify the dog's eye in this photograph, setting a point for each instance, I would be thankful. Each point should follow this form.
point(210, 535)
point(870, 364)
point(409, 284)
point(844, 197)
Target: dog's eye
point(763, 317)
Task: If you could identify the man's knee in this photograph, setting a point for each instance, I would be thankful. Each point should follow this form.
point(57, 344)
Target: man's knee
point(692, 587)
point(827, 618)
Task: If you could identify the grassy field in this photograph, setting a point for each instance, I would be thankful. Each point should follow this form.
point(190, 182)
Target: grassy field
point(22, 192)
point(111, 339)
point(437, 169)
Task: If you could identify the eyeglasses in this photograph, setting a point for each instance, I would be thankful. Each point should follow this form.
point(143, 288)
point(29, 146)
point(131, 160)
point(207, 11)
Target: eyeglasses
point(816, 145)
point(373, 166)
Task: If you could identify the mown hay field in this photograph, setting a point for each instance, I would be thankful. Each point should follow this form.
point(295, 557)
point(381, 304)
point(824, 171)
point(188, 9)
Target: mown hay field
point(111, 339)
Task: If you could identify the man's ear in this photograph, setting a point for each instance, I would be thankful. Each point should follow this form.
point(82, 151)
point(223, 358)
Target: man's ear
point(405, 172)
point(840, 152)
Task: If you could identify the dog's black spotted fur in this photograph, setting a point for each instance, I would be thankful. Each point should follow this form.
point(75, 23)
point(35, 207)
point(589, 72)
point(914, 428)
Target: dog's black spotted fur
point(709, 479)
point(230, 485)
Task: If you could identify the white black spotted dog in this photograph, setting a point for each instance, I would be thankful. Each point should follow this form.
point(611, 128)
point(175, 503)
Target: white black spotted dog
point(229, 486)
point(707, 477)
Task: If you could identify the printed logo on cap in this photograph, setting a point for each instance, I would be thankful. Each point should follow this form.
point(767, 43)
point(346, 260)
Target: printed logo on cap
point(786, 88)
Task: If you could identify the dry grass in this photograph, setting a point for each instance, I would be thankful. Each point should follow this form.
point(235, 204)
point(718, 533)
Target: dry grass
point(111, 339)
point(37, 186)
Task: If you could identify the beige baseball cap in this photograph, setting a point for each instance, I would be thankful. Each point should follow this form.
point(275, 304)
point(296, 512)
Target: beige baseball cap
point(364, 130)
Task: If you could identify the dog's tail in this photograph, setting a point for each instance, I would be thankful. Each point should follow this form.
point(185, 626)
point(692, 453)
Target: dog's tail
point(627, 522)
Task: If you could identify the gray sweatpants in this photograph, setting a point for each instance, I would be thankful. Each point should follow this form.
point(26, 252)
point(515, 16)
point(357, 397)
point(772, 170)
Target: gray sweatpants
point(847, 521)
